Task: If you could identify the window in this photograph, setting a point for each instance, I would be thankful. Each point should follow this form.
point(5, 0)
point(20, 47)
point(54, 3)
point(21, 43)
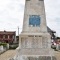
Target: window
point(1, 36)
point(6, 36)
point(34, 20)
point(11, 36)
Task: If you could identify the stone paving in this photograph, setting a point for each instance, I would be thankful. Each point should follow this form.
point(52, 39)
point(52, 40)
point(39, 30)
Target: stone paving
point(10, 53)
point(57, 54)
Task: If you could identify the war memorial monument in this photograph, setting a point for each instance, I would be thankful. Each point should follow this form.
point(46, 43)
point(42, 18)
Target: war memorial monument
point(34, 40)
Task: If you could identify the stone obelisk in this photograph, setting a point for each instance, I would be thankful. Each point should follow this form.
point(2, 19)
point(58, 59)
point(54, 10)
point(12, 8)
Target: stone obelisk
point(34, 40)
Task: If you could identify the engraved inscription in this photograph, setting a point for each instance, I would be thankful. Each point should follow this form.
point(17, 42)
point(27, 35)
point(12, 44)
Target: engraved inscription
point(31, 42)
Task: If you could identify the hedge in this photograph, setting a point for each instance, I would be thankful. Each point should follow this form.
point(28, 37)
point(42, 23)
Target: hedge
point(4, 44)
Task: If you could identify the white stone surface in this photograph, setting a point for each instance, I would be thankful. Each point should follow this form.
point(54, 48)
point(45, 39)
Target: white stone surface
point(1, 48)
point(34, 7)
point(34, 41)
point(7, 46)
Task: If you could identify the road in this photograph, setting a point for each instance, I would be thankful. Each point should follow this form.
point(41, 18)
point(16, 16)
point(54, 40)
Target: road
point(11, 53)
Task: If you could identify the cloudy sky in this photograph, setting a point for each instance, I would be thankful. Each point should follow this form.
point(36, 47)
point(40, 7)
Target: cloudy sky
point(12, 11)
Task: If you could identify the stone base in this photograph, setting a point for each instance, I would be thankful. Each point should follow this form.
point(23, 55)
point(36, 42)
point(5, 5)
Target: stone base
point(34, 58)
point(42, 58)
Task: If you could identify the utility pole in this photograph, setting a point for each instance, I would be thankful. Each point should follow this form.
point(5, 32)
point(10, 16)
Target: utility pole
point(18, 34)
point(18, 30)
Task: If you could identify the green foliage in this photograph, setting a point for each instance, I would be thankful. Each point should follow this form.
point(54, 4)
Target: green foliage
point(13, 46)
point(3, 44)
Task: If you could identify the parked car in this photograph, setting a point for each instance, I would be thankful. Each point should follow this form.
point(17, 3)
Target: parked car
point(53, 45)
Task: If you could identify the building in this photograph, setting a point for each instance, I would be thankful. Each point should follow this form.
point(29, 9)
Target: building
point(8, 36)
point(52, 33)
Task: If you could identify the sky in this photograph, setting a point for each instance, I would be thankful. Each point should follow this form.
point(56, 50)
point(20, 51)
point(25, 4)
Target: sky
point(12, 13)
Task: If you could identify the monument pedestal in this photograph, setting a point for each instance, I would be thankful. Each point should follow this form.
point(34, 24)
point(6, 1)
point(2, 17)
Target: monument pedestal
point(34, 46)
point(34, 41)
point(32, 57)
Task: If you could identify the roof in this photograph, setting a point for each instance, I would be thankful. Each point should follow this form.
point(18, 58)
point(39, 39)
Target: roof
point(7, 32)
point(49, 30)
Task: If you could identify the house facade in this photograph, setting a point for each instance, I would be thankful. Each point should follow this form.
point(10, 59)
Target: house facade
point(8, 36)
